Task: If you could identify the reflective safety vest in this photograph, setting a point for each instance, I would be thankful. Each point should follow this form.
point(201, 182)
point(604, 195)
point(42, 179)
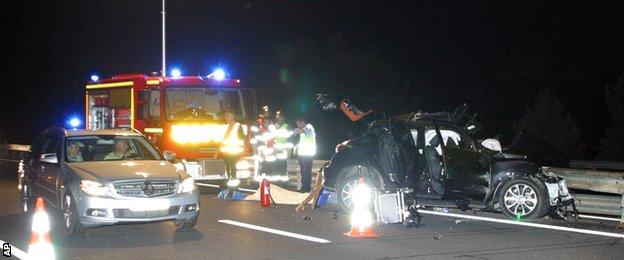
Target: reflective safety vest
point(232, 144)
point(281, 137)
point(307, 142)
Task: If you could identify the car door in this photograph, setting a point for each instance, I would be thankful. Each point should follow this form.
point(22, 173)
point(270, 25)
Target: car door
point(32, 168)
point(49, 171)
point(466, 168)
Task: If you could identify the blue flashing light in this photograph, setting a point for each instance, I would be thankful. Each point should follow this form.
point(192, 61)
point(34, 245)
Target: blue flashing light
point(74, 122)
point(95, 77)
point(218, 74)
point(176, 73)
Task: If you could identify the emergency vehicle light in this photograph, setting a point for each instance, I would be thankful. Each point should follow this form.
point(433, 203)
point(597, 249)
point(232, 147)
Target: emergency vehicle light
point(74, 122)
point(176, 73)
point(95, 77)
point(218, 74)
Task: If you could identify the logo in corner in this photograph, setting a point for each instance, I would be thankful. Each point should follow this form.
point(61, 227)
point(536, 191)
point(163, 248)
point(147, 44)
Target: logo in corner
point(6, 250)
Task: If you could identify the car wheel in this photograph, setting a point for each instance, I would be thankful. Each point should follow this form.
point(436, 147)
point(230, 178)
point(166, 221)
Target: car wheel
point(522, 199)
point(71, 219)
point(26, 201)
point(348, 182)
point(186, 225)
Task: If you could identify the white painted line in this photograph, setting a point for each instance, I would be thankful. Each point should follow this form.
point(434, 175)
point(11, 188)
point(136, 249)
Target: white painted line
point(275, 231)
point(598, 217)
point(217, 186)
point(528, 224)
point(208, 185)
point(17, 252)
point(247, 190)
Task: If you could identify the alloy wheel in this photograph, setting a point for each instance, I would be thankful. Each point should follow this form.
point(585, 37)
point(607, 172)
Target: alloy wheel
point(520, 199)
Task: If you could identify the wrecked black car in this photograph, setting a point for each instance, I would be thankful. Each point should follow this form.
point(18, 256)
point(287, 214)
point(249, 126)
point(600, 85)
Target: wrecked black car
point(435, 157)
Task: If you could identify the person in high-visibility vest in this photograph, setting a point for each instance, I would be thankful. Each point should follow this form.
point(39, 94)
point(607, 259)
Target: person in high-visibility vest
point(306, 150)
point(233, 144)
point(283, 145)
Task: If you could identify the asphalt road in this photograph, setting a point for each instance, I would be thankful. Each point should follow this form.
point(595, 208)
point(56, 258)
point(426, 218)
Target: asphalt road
point(214, 238)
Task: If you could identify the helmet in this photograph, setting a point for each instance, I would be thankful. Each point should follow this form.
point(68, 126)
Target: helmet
point(264, 112)
point(279, 115)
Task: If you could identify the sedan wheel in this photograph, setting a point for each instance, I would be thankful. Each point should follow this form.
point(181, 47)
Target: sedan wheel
point(523, 198)
point(71, 220)
point(67, 212)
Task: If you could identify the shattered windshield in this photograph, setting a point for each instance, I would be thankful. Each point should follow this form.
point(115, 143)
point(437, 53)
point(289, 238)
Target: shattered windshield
point(196, 103)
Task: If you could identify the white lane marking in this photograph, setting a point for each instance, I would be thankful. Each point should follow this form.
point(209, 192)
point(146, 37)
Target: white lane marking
point(217, 186)
point(528, 224)
point(208, 185)
point(275, 231)
point(598, 217)
point(17, 252)
point(247, 190)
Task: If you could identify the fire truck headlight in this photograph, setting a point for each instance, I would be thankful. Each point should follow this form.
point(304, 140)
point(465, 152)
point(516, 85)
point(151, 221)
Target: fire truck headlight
point(95, 77)
point(176, 73)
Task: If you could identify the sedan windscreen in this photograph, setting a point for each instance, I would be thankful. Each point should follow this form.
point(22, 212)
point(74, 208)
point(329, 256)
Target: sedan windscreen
point(109, 148)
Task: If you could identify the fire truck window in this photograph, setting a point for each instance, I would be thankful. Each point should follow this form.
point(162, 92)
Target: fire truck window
point(210, 101)
point(154, 105)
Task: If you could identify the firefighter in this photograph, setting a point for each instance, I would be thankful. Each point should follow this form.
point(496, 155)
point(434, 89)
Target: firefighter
point(232, 146)
point(281, 133)
point(306, 150)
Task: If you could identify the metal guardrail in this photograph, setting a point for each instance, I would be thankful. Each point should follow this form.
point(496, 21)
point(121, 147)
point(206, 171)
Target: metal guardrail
point(597, 165)
point(596, 181)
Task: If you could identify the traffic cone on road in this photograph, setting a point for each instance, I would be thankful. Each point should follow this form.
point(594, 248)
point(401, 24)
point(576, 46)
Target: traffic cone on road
point(40, 243)
point(265, 193)
point(361, 217)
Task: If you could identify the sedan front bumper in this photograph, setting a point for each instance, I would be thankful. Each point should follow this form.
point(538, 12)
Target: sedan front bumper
point(97, 211)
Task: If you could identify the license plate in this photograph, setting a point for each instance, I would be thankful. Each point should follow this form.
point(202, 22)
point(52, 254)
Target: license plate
point(149, 205)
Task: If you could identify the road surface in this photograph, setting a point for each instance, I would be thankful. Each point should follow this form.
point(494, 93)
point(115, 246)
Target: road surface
point(243, 230)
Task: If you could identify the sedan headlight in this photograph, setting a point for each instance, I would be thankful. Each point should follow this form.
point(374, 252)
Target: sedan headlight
point(95, 188)
point(188, 185)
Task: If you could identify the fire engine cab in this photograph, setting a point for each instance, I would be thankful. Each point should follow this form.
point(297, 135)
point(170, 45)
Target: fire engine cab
point(180, 114)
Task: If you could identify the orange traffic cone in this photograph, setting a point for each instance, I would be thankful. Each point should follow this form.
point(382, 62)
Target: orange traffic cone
point(361, 217)
point(40, 243)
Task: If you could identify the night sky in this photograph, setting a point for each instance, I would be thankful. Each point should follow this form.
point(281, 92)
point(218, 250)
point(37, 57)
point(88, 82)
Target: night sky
point(496, 56)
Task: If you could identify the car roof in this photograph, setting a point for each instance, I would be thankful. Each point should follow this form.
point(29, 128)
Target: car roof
point(83, 132)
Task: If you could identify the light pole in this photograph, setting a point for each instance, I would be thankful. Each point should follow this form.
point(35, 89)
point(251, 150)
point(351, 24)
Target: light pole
point(163, 73)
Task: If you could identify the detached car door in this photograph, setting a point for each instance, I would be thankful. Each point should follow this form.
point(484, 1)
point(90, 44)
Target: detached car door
point(467, 170)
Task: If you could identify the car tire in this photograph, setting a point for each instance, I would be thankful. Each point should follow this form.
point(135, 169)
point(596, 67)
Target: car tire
point(348, 178)
point(71, 218)
point(27, 202)
point(182, 226)
point(523, 199)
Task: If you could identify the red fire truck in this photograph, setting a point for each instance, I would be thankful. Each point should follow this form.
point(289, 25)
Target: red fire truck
point(179, 114)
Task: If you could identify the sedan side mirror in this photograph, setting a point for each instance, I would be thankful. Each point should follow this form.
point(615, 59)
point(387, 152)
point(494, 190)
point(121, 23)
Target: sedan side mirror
point(49, 158)
point(169, 155)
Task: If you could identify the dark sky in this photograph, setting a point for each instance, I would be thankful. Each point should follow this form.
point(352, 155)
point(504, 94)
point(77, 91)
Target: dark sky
point(495, 55)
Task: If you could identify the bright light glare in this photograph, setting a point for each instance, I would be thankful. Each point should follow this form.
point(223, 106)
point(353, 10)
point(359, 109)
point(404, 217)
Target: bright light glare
point(242, 165)
point(218, 74)
point(361, 195)
point(176, 73)
point(74, 122)
point(197, 133)
point(233, 183)
point(95, 77)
